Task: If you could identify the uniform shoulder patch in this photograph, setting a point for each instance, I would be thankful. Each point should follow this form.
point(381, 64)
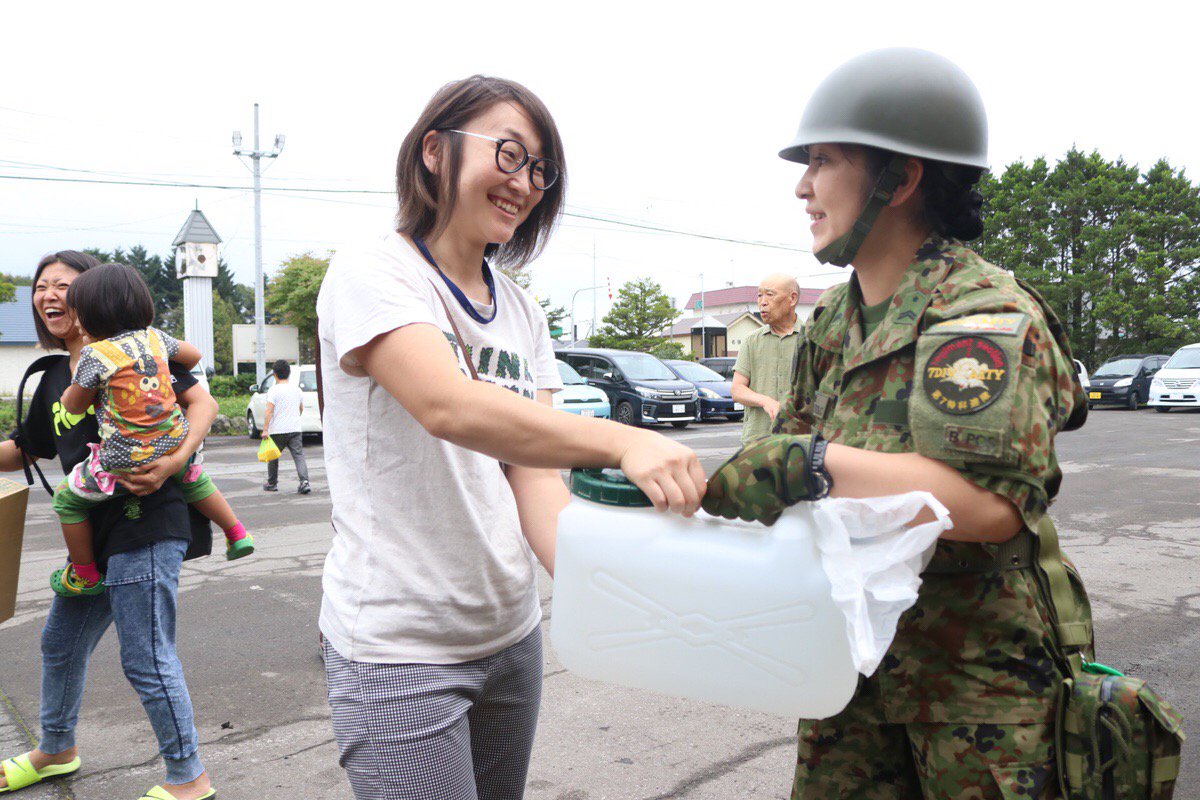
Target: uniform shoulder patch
point(1010, 323)
point(965, 374)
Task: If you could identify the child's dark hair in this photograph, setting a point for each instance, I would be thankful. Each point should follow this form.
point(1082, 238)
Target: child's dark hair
point(109, 299)
point(281, 369)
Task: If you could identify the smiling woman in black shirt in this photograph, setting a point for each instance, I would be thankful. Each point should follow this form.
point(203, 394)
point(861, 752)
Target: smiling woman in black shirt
point(140, 541)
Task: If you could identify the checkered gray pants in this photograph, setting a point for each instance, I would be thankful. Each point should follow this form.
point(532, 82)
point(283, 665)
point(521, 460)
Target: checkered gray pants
point(437, 731)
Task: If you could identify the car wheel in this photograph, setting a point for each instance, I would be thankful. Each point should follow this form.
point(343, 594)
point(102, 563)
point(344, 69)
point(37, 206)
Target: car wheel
point(679, 425)
point(1133, 401)
point(625, 414)
point(1162, 409)
point(251, 429)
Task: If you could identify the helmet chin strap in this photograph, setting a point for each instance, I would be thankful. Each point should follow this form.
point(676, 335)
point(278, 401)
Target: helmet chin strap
point(841, 251)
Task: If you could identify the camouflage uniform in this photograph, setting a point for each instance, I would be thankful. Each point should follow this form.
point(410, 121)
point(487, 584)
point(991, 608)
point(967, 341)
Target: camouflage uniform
point(972, 369)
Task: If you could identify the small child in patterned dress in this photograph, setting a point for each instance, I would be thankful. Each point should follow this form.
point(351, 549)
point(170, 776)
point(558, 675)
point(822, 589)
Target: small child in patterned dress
point(124, 371)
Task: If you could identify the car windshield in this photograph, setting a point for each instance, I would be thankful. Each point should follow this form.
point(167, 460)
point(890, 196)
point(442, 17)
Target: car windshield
point(1184, 359)
point(569, 375)
point(1118, 369)
point(643, 367)
point(308, 380)
point(696, 372)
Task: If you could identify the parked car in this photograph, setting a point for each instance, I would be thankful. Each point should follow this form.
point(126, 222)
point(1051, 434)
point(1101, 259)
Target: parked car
point(201, 374)
point(1082, 372)
point(577, 397)
point(1177, 384)
point(640, 388)
point(714, 391)
point(722, 365)
point(310, 420)
point(1124, 380)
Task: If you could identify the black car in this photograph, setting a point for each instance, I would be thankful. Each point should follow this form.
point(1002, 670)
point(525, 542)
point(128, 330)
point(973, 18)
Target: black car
point(642, 390)
point(1124, 380)
point(722, 365)
point(716, 393)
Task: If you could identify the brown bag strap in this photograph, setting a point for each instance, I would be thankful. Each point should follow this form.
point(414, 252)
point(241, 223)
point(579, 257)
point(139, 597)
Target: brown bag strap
point(457, 336)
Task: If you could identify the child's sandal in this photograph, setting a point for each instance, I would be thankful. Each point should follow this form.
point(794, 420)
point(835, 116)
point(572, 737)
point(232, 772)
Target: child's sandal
point(66, 583)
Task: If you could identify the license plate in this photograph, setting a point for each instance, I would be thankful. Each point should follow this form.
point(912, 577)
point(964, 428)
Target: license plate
point(1093, 395)
point(738, 407)
point(677, 409)
point(1171, 397)
point(587, 412)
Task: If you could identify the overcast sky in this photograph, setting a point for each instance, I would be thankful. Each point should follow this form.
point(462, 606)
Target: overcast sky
point(672, 115)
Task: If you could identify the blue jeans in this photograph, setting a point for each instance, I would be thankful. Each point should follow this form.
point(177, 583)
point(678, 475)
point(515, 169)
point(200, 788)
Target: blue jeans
point(140, 599)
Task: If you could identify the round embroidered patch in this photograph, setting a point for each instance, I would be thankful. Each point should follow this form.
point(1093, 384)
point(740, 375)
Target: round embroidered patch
point(965, 375)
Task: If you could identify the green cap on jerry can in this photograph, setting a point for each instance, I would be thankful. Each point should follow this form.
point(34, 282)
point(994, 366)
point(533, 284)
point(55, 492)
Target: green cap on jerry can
point(607, 486)
point(907, 101)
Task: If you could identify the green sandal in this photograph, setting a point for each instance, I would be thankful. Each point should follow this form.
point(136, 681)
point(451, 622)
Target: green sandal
point(19, 772)
point(66, 583)
point(242, 547)
point(159, 793)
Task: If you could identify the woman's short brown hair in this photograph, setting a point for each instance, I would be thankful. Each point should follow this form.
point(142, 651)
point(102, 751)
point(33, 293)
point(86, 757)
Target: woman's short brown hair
point(427, 200)
point(72, 259)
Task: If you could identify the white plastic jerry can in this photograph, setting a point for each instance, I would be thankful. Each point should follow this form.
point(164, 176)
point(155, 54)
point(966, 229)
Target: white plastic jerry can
point(727, 612)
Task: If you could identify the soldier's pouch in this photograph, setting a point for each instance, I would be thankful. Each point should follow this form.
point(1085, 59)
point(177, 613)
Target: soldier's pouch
point(1115, 738)
point(964, 388)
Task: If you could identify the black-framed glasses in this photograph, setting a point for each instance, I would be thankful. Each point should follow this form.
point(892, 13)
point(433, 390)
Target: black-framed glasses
point(511, 156)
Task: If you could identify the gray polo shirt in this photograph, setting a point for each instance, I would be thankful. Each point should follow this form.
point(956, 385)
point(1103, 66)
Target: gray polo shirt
point(766, 360)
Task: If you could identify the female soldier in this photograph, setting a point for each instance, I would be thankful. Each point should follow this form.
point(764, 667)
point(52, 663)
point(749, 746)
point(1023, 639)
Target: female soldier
point(430, 615)
point(932, 370)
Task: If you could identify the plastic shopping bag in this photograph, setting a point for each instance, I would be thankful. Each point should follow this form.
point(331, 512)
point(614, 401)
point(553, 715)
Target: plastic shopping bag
point(267, 451)
point(874, 563)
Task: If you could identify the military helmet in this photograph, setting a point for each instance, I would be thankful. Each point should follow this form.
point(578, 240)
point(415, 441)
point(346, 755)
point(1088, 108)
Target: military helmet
point(902, 99)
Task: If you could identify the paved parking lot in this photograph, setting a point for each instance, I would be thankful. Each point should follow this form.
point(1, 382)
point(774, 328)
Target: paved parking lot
point(1129, 515)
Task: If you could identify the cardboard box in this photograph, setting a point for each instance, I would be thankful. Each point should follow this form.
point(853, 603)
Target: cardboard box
point(13, 498)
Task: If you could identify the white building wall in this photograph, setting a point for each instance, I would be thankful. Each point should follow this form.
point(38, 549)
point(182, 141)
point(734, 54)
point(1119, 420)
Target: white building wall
point(14, 360)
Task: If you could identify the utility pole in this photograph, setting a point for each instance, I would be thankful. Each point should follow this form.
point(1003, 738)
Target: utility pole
point(594, 284)
point(703, 311)
point(255, 156)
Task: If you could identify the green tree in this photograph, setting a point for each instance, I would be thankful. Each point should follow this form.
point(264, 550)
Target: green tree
point(16, 280)
point(292, 296)
point(554, 316)
point(637, 319)
point(1113, 252)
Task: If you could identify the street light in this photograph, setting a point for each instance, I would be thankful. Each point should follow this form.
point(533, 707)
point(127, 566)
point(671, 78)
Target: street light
point(574, 327)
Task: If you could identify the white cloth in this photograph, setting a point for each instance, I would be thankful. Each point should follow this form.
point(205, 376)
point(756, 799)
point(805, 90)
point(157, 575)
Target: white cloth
point(874, 563)
point(286, 399)
point(428, 563)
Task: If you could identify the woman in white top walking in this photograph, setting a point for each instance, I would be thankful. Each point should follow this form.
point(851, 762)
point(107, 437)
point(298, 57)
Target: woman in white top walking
point(441, 484)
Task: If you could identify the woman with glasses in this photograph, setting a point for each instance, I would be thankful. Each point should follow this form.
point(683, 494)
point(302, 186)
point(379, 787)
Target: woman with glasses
point(441, 484)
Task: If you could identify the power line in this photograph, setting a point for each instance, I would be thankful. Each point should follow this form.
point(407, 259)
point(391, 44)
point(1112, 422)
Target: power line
point(327, 190)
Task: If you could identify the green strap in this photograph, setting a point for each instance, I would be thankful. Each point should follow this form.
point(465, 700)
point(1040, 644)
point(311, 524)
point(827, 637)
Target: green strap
point(1072, 631)
point(841, 251)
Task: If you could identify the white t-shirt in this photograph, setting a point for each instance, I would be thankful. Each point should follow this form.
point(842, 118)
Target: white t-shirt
point(286, 399)
point(428, 563)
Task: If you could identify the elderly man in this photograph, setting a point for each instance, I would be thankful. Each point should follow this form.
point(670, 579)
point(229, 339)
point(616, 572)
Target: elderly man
point(762, 374)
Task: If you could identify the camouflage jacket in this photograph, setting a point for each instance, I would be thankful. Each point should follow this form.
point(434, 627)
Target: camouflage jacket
point(973, 369)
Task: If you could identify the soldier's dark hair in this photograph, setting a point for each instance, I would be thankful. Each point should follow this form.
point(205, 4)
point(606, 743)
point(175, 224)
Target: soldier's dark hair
point(427, 200)
point(952, 205)
point(282, 369)
point(72, 259)
point(109, 299)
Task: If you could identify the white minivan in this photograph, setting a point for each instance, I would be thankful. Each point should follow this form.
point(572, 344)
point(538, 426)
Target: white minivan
point(1177, 384)
point(310, 421)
